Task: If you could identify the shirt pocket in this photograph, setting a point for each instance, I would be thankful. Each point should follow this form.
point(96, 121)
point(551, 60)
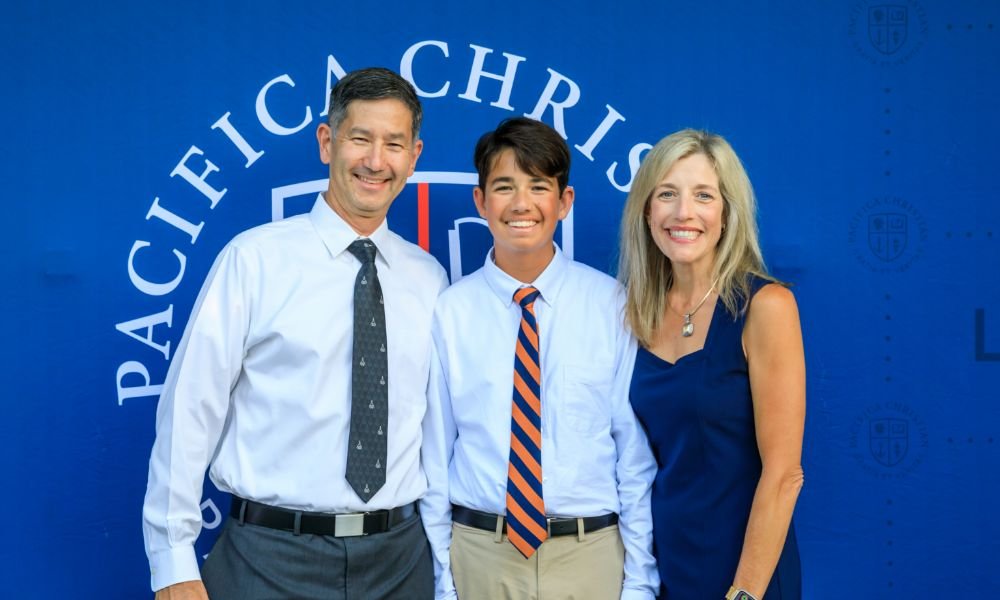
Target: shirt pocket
point(585, 405)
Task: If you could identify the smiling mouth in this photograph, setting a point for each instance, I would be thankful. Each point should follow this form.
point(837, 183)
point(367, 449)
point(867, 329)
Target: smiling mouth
point(521, 224)
point(683, 234)
point(370, 180)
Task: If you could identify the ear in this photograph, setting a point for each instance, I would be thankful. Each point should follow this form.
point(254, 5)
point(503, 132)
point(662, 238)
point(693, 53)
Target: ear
point(480, 198)
point(566, 201)
point(324, 136)
point(418, 147)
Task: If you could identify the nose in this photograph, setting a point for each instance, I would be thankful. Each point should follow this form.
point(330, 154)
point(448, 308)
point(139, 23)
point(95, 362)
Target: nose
point(520, 202)
point(375, 158)
point(684, 207)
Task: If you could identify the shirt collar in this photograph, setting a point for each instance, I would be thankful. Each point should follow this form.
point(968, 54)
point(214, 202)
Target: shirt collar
point(337, 235)
point(548, 283)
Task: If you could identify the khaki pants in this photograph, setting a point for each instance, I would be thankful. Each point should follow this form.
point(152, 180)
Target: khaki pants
point(486, 566)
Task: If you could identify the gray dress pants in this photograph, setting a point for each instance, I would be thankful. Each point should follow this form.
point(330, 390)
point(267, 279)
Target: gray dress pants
point(250, 562)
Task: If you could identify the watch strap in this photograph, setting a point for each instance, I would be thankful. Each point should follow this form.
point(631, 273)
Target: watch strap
point(736, 593)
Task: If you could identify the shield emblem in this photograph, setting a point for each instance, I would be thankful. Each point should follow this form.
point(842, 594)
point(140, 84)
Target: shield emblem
point(887, 235)
point(889, 439)
point(468, 239)
point(887, 26)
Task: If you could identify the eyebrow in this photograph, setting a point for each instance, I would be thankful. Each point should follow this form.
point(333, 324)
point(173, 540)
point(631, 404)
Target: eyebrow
point(700, 186)
point(506, 179)
point(367, 132)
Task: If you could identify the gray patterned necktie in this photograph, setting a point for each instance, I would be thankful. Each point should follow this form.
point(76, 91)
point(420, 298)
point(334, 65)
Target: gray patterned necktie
point(366, 450)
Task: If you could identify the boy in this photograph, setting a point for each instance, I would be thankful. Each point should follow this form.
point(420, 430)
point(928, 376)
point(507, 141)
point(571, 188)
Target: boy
point(539, 472)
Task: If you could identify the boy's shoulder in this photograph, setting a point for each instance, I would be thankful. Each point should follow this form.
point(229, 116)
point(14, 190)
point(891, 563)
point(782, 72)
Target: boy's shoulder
point(468, 288)
point(595, 281)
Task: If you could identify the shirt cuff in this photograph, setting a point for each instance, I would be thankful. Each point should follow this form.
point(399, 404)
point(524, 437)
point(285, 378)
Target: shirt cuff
point(445, 587)
point(173, 565)
point(631, 594)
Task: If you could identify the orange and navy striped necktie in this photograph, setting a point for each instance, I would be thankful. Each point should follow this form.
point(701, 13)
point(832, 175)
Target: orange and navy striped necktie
point(526, 526)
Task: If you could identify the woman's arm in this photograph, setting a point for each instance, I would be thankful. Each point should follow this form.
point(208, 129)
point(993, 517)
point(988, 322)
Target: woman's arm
point(772, 339)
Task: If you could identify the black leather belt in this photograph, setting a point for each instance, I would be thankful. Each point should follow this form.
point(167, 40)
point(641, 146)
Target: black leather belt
point(557, 526)
point(298, 521)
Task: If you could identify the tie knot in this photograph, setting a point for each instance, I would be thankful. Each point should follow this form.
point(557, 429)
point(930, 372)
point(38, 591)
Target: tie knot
point(364, 250)
point(526, 296)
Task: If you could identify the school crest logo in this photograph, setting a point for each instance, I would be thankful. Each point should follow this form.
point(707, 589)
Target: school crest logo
point(887, 235)
point(897, 440)
point(889, 440)
point(451, 191)
point(888, 34)
point(887, 27)
point(243, 154)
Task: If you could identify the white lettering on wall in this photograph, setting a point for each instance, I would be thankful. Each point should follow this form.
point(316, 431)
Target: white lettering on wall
point(406, 67)
point(478, 73)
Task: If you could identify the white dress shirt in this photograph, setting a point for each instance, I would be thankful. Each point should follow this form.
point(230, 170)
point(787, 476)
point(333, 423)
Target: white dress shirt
point(260, 385)
point(595, 457)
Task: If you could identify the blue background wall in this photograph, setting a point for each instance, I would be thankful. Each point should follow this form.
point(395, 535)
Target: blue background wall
point(873, 158)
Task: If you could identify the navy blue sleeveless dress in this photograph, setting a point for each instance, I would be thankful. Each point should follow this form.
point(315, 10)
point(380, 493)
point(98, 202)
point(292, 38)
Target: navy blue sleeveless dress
point(698, 415)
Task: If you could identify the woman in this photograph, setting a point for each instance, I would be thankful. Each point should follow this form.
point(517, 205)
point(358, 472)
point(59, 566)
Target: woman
point(719, 380)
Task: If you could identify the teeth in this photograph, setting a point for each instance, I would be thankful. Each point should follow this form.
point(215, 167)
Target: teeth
point(686, 234)
point(520, 223)
point(369, 180)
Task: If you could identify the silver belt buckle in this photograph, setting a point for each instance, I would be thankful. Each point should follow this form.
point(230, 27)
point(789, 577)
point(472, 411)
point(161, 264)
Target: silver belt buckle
point(350, 525)
point(548, 525)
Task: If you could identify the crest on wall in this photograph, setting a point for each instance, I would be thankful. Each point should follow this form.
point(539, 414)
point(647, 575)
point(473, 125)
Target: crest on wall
point(889, 439)
point(887, 27)
point(887, 235)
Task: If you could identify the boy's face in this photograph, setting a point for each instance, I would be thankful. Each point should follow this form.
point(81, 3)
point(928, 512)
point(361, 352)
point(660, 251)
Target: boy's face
point(522, 210)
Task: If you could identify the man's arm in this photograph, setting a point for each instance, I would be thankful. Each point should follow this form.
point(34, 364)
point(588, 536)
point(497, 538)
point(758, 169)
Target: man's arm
point(189, 420)
point(439, 433)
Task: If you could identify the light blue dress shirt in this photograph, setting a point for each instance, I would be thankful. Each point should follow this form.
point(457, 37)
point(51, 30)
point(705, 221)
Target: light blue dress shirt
point(261, 383)
point(595, 457)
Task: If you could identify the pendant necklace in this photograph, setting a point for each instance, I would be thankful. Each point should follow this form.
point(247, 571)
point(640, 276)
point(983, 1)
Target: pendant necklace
point(687, 329)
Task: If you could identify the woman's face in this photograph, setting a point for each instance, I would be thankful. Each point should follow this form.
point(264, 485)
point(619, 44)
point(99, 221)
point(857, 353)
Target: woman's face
point(685, 213)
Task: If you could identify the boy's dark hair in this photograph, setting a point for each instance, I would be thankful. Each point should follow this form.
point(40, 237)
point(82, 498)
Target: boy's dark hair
point(538, 150)
point(373, 83)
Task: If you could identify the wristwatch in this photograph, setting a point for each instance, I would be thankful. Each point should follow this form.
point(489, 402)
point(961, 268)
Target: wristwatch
point(735, 593)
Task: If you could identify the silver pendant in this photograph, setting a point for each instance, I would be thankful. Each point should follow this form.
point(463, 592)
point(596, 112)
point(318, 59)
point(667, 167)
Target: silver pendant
point(687, 330)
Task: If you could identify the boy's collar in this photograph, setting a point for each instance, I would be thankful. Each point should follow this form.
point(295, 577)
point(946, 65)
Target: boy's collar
point(548, 283)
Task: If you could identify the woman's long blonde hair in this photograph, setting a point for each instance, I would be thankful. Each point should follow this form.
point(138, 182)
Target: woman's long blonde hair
point(645, 271)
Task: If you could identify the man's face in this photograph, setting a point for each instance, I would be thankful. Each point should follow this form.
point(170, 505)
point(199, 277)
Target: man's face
point(371, 155)
point(522, 210)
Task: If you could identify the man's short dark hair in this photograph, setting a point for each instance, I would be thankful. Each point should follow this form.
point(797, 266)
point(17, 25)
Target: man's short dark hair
point(373, 83)
point(538, 150)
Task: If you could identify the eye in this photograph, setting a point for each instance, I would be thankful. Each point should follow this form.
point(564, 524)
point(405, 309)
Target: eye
point(503, 187)
point(359, 141)
point(539, 188)
point(704, 197)
point(396, 147)
point(667, 195)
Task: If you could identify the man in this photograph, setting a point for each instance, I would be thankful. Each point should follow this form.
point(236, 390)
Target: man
point(539, 471)
point(301, 378)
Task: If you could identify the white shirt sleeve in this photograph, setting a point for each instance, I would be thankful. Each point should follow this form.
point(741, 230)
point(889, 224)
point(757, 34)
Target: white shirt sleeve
point(439, 433)
point(190, 418)
point(635, 469)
